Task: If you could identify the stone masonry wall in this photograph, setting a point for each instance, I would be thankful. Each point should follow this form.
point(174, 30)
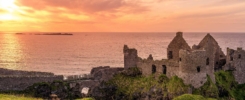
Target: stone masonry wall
point(146, 67)
point(192, 67)
point(175, 45)
point(235, 61)
point(130, 57)
point(214, 54)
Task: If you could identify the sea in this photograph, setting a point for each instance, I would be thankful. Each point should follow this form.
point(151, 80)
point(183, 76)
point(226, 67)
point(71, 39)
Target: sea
point(78, 53)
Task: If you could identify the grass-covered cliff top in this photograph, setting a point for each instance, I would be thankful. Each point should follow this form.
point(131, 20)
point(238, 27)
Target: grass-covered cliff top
point(132, 86)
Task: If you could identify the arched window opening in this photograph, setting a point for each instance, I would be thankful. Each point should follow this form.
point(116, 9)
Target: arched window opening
point(207, 61)
point(179, 59)
point(154, 69)
point(164, 69)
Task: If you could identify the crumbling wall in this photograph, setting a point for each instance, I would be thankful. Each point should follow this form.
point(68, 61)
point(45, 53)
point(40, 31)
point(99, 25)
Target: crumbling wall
point(192, 67)
point(175, 45)
point(207, 56)
point(235, 61)
point(130, 57)
point(167, 67)
point(214, 54)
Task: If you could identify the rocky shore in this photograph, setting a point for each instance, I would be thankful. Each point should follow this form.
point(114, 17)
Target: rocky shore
point(106, 83)
point(42, 84)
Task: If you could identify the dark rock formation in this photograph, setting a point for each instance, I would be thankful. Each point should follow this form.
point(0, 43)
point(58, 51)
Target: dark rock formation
point(104, 73)
point(19, 80)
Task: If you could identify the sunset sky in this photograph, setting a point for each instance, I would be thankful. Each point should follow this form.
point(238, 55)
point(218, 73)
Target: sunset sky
point(122, 15)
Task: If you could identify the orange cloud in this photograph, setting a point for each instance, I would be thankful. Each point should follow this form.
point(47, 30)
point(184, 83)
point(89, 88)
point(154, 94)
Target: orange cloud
point(124, 15)
point(2, 11)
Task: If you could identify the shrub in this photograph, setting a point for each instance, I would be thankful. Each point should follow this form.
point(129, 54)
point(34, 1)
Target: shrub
point(176, 87)
point(209, 89)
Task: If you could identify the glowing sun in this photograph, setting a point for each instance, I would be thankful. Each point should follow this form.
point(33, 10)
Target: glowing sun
point(9, 7)
point(7, 4)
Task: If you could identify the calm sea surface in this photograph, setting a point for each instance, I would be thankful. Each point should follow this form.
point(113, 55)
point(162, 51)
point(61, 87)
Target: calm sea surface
point(78, 54)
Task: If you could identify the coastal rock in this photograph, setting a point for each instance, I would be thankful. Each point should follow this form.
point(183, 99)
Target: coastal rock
point(104, 73)
point(78, 86)
point(45, 89)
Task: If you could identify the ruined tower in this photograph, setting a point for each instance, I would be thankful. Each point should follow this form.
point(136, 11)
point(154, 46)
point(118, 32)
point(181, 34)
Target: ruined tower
point(175, 45)
point(192, 67)
point(235, 62)
point(130, 57)
point(215, 56)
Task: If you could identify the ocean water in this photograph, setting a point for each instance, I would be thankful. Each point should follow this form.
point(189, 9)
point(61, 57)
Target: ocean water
point(79, 53)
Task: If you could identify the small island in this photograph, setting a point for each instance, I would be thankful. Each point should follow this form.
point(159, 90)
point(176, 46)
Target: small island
point(57, 34)
point(45, 33)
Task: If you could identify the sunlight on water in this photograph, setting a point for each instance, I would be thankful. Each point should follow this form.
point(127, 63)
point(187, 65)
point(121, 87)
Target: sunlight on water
point(78, 54)
point(11, 51)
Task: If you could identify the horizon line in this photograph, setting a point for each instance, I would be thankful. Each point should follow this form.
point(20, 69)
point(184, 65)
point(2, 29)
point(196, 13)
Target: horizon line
point(122, 32)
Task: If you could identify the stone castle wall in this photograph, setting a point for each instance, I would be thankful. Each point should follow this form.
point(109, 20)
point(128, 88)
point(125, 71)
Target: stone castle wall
point(193, 60)
point(130, 57)
point(167, 67)
point(214, 54)
point(192, 67)
point(235, 62)
point(191, 64)
point(175, 45)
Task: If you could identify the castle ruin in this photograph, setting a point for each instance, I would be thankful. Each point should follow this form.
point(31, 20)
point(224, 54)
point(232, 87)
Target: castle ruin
point(192, 64)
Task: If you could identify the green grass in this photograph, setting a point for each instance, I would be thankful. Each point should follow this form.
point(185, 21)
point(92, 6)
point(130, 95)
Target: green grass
point(192, 97)
point(16, 97)
point(86, 99)
point(209, 89)
point(130, 86)
point(176, 86)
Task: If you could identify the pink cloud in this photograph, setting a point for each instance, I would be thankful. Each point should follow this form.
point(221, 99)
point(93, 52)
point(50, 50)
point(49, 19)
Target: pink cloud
point(89, 6)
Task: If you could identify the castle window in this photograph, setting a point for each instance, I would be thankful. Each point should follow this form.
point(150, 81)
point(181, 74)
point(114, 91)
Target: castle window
point(164, 69)
point(207, 61)
point(239, 56)
point(154, 69)
point(198, 69)
point(179, 59)
point(170, 54)
point(217, 63)
point(231, 58)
